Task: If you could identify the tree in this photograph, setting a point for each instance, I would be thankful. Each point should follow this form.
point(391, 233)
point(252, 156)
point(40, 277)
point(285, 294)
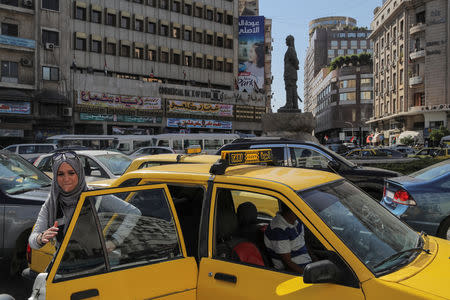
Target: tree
point(347, 60)
point(437, 134)
point(354, 59)
point(407, 140)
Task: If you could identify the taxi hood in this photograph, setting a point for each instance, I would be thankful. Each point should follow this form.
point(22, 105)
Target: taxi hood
point(433, 278)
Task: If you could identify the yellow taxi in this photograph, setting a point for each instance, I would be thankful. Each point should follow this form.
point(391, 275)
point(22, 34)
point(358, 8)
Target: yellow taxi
point(183, 242)
point(365, 153)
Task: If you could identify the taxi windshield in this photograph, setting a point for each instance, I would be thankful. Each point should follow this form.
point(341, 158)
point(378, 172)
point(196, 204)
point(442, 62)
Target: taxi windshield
point(17, 176)
point(369, 231)
point(115, 162)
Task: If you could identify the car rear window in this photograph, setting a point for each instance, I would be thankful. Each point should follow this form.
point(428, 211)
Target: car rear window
point(433, 171)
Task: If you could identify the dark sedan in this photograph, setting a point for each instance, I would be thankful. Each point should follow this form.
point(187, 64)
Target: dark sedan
point(422, 199)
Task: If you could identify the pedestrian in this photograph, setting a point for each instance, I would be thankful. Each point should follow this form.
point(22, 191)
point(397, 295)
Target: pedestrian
point(67, 185)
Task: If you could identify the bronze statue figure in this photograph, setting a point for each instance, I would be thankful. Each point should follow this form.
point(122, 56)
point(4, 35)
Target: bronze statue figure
point(290, 76)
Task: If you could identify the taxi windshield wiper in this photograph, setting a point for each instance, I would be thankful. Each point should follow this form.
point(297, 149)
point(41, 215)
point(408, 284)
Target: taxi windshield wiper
point(400, 253)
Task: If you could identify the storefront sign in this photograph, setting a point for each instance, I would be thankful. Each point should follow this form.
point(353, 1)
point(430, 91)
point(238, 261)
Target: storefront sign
point(184, 92)
point(11, 132)
point(15, 108)
point(120, 101)
point(16, 41)
point(187, 107)
point(251, 53)
point(120, 118)
point(197, 123)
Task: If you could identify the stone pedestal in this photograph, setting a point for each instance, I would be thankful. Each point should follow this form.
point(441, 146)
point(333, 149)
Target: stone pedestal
point(290, 124)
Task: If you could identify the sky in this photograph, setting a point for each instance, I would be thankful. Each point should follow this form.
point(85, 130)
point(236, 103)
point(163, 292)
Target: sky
point(292, 17)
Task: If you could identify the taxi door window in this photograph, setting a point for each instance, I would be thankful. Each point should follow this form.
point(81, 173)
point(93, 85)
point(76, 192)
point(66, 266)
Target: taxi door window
point(84, 253)
point(141, 228)
point(308, 158)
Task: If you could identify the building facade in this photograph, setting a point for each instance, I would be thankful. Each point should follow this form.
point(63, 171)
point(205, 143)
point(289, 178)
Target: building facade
point(411, 67)
point(102, 67)
point(340, 100)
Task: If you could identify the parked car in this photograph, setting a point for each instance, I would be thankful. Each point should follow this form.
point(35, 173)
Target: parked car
point(392, 152)
point(31, 151)
point(150, 150)
point(98, 164)
point(422, 199)
point(304, 154)
point(190, 240)
point(405, 149)
point(426, 152)
point(366, 153)
point(442, 153)
point(23, 190)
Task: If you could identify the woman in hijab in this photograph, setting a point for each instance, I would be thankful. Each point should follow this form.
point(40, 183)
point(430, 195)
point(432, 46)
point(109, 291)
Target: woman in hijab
point(68, 184)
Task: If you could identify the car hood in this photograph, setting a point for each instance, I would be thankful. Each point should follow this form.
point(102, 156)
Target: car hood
point(382, 172)
point(435, 272)
point(34, 195)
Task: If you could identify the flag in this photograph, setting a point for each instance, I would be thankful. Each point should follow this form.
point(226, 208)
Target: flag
point(106, 67)
point(351, 140)
point(325, 137)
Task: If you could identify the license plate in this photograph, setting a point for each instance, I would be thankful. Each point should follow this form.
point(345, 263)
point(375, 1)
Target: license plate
point(390, 194)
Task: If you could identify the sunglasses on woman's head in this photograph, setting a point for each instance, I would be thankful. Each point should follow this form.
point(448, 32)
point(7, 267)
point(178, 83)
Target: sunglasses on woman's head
point(63, 156)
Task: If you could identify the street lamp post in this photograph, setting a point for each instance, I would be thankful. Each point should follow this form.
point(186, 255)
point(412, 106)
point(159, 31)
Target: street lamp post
point(351, 124)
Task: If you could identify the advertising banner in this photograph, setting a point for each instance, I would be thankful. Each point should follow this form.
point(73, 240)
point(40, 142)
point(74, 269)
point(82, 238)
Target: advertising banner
point(16, 41)
point(251, 53)
point(188, 107)
point(196, 123)
point(119, 101)
point(15, 108)
point(119, 118)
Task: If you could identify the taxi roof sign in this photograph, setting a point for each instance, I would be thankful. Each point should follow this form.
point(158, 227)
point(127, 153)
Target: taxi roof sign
point(241, 157)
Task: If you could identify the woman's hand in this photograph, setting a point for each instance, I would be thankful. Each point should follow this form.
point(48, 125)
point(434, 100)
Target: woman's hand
point(110, 246)
point(49, 234)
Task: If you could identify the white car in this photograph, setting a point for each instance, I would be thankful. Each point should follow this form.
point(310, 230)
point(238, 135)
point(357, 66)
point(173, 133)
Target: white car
point(31, 151)
point(151, 150)
point(98, 164)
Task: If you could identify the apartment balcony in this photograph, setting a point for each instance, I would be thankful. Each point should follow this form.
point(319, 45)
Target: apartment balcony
point(416, 54)
point(415, 81)
point(416, 28)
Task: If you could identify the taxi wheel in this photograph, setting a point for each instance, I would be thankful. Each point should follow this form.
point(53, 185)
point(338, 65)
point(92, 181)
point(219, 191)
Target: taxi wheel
point(444, 229)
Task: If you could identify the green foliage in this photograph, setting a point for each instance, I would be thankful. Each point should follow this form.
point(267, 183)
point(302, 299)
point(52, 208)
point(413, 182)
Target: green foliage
point(437, 134)
point(407, 140)
point(361, 59)
point(407, 168)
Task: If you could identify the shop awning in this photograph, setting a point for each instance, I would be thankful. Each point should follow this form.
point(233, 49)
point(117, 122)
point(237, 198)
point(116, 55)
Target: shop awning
point(51, 96)
point(13, 94)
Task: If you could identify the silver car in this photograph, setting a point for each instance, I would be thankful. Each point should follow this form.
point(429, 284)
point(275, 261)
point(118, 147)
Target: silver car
point(98, 164)
point(23, 190)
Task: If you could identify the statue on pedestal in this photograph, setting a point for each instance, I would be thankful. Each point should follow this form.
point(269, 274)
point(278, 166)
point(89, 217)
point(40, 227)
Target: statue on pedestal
point(290, 77)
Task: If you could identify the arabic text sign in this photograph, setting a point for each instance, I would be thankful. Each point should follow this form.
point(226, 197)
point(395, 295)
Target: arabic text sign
point(119, 118)
point(15, 108)
point(197, 123)
point(251, 53)
point(16, 41)
point(109, 100)
point(188, 107)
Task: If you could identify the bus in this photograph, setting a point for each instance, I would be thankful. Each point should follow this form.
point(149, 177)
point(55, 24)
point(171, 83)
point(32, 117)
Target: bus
point(209, 142)
point(123, 143)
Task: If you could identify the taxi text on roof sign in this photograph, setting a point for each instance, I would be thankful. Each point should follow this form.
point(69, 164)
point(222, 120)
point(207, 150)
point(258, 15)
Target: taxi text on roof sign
point(247, 156)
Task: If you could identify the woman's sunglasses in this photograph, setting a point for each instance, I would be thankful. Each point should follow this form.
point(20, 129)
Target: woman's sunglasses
point(63, 156)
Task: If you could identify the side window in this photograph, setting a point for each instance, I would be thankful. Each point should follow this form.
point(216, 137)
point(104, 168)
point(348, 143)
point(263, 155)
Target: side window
point(11, 149)
point(240, 220)
point(366, 153)
point(124, 147)
point(308, 158)
point(164, 143)
point(84, 253)
point(26, 149)
point(138, 230)
point(177, 145)
point(212, 144)
point(43, 149)
point(149, 164)
point(91, 168)
point(45, 165)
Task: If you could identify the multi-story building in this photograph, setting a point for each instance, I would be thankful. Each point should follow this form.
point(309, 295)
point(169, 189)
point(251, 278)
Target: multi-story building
point(337, 108)
point(330, 37)
point(150, 65)
point(411, 67)
point(344, 99)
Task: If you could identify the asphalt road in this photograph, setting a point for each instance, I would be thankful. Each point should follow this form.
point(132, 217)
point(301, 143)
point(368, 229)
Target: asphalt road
point(18, 287)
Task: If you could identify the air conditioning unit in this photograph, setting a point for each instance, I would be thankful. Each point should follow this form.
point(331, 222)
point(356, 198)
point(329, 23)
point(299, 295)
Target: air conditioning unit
point(27, 3)
point(26, 62)
point(67, 111)
point(49, 46)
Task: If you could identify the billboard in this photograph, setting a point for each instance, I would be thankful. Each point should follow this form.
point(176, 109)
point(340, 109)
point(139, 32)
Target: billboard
point(248, 7)
point(188, 107)
point(119, 101)
point(198, 123)
point(251, 53)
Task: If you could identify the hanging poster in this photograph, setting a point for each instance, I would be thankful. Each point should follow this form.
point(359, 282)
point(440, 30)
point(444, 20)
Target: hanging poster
point(119, 101)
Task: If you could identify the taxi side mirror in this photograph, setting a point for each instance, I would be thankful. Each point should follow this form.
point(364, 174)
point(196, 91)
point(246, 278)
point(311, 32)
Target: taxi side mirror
point(322, 271)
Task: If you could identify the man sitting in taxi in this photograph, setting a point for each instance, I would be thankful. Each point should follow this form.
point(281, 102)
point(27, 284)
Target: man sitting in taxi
point(285, 241)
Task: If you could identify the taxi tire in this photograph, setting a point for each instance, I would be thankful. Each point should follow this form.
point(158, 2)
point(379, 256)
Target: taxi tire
point(443, 228)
